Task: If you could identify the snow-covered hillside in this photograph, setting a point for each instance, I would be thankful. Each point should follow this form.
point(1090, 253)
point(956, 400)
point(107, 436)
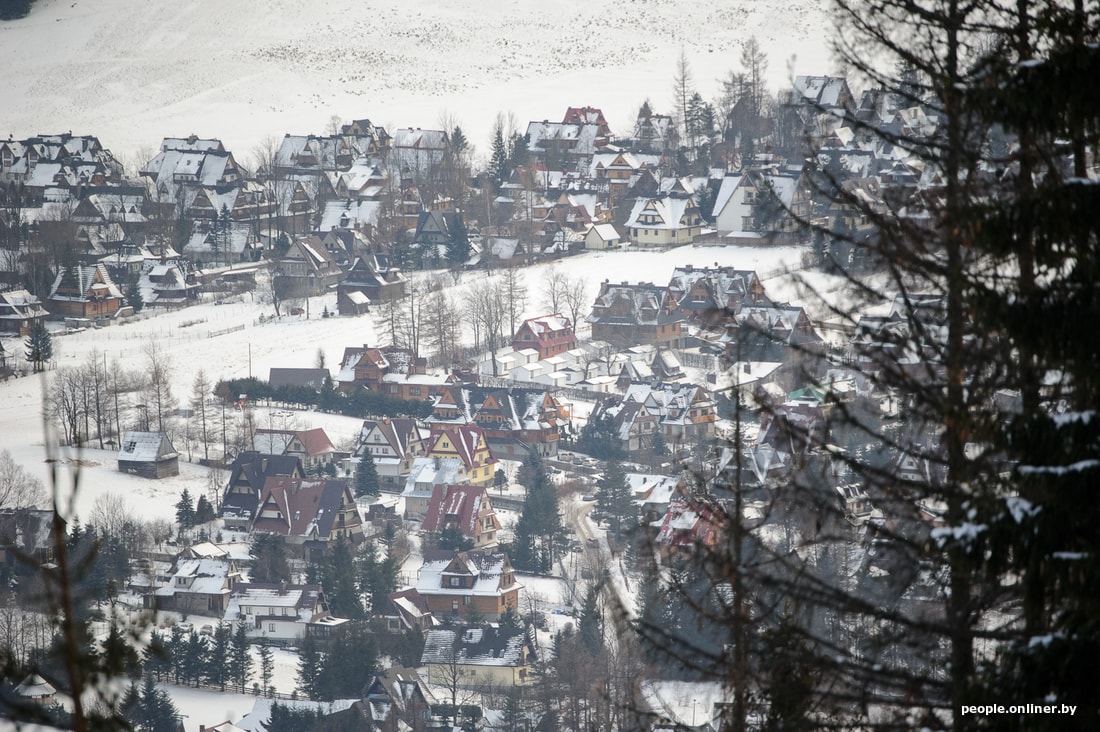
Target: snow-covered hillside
point(134, 72)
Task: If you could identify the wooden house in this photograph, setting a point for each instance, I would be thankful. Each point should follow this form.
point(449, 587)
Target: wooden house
point(468, 582)
point(488, 655)
point(625, 314)
point(466, 509)
point(84, 292)
point(148, 454)
point(547, 334)
point(308, 513)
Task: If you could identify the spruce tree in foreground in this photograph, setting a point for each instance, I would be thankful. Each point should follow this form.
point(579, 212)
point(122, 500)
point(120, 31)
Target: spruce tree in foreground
point(975, 586)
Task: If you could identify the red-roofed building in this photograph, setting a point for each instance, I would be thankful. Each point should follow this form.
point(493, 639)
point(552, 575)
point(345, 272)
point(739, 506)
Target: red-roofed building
point(587, 116)
point(547, 334)
point(465, 508)
point(689, 524)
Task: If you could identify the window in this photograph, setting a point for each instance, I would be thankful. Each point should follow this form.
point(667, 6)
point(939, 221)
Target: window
point(271, 627)
point(456, 582)
point(466, 600)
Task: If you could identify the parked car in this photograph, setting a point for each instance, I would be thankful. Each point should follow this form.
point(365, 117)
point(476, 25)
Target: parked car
point(588, 497)
point(207, 629)
point(185, 627)
point(593, 543)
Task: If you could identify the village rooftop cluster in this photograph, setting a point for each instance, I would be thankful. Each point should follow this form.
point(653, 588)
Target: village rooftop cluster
point(497, 448)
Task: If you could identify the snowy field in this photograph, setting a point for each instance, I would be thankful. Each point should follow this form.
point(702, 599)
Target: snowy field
point(135, 72)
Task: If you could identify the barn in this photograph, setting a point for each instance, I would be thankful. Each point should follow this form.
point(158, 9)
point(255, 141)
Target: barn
point(148, 454)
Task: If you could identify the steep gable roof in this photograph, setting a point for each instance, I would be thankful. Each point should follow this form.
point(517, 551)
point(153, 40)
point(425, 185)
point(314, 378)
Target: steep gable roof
point(455, 504)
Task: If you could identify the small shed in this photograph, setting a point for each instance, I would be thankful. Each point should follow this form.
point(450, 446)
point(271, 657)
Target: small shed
point(148, 454)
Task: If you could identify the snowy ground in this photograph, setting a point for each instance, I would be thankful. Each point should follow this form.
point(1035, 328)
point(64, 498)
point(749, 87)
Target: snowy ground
point(133, 73)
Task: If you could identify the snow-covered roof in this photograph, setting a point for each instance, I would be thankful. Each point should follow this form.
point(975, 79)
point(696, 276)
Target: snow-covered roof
point(145, 447)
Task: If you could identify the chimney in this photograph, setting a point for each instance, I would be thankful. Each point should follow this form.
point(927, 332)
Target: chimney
point(282, 587)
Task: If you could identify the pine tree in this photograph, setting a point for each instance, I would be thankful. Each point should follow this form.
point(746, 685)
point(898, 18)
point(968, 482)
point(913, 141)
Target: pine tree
point(134, 298)
point(151, 709)
point(310, 663)
point(39, 345)
point(239, 660)
point(614, 499)
point(498, 163)
point(217, 670)
point(366, 476)
point(224, 233)
point(338, 576)
point(204, 511)
point(267, 666)
point(377, 579)
point(590, 623)
point(270, 562)
point(458, 244)
point(185, 511)
point(539, 528)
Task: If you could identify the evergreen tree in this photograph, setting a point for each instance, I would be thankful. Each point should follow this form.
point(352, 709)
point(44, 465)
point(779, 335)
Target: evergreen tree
point(590, 623)
point(498, 163)
point(224, 234)
point(39, 345)
point(239, 660)
point(539, 527)
point(452, 538)
point(204, 511)
point(287, 719)
point(267, 666)
point(458, 244)
point(338, 576)
point(185, 511)
point(366, 476)
point(151, 709)
point(270, 562)
point(351, 660)
point(134, 298)
point(377, 578)
point(217, 670)
point(193, 666)
point(614, 499)
point(310, 662)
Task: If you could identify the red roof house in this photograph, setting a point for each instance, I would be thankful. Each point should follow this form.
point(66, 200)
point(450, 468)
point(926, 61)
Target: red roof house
point(548, 334)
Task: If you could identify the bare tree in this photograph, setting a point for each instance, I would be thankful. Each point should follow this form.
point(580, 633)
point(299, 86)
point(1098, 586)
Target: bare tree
point(65, 406)
point(575, 298)
point(95, 392)
point(201, 389)
point(553, 290)
point(486, 309)
point(265, 161)
point(682, 88)
point(158, 384)
point(442, 323)
point(18, 488)
point(515, 296)
point(111, 514)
